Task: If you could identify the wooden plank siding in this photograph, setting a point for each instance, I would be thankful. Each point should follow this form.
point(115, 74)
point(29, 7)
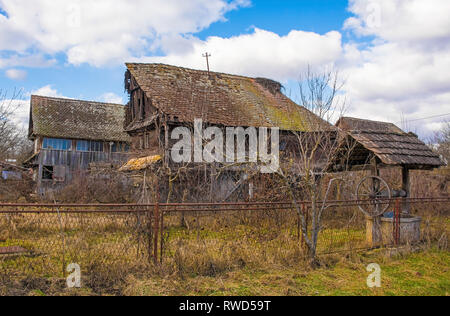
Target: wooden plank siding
point(75, 163)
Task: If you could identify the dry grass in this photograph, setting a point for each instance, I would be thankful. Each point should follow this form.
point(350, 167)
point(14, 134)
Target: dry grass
point(423, 273)
point(232, 249)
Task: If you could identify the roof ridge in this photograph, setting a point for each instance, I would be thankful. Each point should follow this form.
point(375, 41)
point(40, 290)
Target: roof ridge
point(75, 100)
point(366, 120)
point(375, 131)
point(198, 70)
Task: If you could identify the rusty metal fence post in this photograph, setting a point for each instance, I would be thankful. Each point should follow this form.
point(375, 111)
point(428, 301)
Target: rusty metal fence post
point(156, 232)
point(63, 241)
point(162, 238)
point(150, 233)
point(396, 220)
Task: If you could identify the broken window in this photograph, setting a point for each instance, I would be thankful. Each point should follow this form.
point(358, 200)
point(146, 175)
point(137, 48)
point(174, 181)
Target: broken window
point(143, 112)
point(115, 147)
point(119, 147)
point(47, 173)
point(133, 108)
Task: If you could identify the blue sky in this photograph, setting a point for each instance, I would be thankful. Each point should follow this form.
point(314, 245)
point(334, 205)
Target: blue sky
point(87, 82)
point(385, 49)
point(281, 17)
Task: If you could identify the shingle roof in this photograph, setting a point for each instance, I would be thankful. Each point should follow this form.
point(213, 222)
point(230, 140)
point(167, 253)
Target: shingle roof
point(389, 143)
point(75, 119)
point(222, 99)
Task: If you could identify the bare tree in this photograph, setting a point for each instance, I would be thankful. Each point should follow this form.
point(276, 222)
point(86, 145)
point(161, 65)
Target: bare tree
point(304, 174)
point(13, 140)
point(442, 141)
point(321, 93)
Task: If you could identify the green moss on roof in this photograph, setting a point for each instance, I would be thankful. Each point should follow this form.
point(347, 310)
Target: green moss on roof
point(75, 119)
point(223, 99)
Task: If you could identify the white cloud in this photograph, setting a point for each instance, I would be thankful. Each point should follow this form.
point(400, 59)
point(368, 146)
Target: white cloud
point(99, 32)
point(22, 103)
point(22, 113)
point(392, 72)
point(16, 74)
point(403, 21)
point(261, 53)
point(404, 70)
point(47, 91)
point(111, 98)
point(26, 60)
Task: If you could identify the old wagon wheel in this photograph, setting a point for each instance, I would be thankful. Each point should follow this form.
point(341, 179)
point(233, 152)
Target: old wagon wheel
point(373, 190)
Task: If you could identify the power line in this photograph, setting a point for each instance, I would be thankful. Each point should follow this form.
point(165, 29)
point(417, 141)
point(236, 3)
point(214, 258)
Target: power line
point(425, 118)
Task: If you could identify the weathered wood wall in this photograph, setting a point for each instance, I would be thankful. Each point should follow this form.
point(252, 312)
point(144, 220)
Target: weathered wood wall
point(75, 162)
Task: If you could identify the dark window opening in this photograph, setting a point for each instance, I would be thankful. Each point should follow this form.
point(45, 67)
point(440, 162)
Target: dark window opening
point(118, 147)
point(133, 108)
point(96, 146)
point(143, 109)
point(47, 173)
point(115, 147)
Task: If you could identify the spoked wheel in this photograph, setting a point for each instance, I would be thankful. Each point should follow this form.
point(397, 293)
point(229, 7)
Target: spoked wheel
point(375, 191)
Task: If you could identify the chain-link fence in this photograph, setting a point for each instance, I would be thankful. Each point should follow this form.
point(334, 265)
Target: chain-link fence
point(199, 239)
point(44, 241)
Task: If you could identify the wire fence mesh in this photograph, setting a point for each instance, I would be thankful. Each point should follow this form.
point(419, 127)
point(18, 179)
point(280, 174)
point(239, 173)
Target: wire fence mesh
point(205, 239)
point(42, 243)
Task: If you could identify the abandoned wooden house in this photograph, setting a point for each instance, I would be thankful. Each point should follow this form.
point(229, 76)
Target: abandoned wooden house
point(164, 97)
point(70, 135)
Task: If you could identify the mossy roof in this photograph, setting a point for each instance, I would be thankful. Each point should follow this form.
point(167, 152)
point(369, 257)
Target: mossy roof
point(76, 119)
point(222, 99)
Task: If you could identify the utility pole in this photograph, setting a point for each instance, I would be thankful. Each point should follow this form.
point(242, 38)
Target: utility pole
point(207, 55)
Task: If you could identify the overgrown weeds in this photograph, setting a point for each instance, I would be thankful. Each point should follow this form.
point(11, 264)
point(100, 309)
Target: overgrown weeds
point(114, 250)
